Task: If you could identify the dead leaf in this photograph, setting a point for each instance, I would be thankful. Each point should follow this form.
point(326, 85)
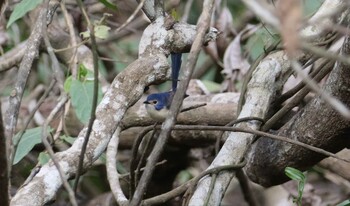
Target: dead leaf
point(235, 65)
point(224, 24)
point(233, 58)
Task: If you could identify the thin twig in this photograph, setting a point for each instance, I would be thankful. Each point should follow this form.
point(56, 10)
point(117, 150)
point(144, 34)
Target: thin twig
point(263, 11)
point(193, 107)
point(94, 98)
point(32, 48)
point(332, 101)
point(4, 180)
point(214, 170)
point(217, 148)
point(143, 156)
point(73, 39)
point(83, 11)
point(50, 151)
point(133, 161)
point(259, 133)
point(230, 124)
point(299, 86)
point(131, 17)
point(250, 73)
point(188, 185)
point(71, 47)
point(263, 134)
point(32, 174)
point(30, 117)
point(247, 192)
point(202, 27)
point(57, 72)
point(211, 188)
point(187, 11)
point(296, 100)
point(324, 53)
point(142, 169)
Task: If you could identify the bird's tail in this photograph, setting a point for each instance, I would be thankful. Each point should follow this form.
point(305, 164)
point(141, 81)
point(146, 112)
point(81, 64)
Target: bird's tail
point(175, 68)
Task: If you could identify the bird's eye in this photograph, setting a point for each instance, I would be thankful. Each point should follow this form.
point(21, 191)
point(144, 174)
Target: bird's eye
point(155, 102)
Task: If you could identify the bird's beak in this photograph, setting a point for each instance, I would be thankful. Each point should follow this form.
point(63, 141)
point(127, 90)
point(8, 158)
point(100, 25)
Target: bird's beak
point(146, 102)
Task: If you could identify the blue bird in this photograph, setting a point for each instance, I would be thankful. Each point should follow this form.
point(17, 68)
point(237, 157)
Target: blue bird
point(158, 104)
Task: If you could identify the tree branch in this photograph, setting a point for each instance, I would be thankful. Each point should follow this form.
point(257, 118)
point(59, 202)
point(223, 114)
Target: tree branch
point(31, 52)
point(316, 124)
point(202, 27)
point(122, 93)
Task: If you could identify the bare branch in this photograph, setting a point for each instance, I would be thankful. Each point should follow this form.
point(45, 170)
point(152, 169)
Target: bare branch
point(112, 173)
point(153, 9)
point(12, 57)
point(4, 161)
point(123, 93)
point(132, 16)
point(260, 93)
point(49, 149)
point(267, 80)
point(31, 52)
point(202, 27)
point(219, 110)
point(316, 124)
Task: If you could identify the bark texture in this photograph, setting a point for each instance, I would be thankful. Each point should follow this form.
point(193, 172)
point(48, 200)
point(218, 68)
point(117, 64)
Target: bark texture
point(316, 124)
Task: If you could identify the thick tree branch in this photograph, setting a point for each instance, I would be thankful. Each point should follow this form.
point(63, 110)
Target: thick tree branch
point(123, 93)
point(316, 124)
point(179, 38)
point(203, 26)
point(126, 89)
point(12, 57)
point(219, 110)
point(261, 91)
point(112, 173)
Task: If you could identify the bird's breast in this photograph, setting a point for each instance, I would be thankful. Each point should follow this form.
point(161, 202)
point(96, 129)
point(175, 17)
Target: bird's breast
point(158, 115)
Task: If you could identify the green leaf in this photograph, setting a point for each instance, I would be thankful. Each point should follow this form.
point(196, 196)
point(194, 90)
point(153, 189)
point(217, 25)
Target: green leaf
point(85, 34)
point(300, 190)
point(43, 158)
point(30, 138)
point(81, 93)
point(68, 139)
point(175, 15)
point(297, 175)
point(345, 203)
point(294, 174)
point(67, 84)
point(109, 4)
point(260, 40)
point(83, 72)
point(101, 31)
point(183, 176)
point(311, 6)
point(212, 86)
point(120, 168)
point(21, 9)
